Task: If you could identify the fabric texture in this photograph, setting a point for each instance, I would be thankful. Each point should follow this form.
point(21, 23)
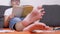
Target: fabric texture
point(8, 12)
point(52, 15)
point(2, 11)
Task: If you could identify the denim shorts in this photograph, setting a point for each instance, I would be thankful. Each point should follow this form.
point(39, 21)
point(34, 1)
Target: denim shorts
point(13, 21)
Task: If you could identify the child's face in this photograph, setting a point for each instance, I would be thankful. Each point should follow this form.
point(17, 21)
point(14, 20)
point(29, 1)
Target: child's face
point(13, 3)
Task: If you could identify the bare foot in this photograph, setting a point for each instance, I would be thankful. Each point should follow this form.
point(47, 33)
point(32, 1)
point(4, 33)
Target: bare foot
point(36, 26)
point(36, 14)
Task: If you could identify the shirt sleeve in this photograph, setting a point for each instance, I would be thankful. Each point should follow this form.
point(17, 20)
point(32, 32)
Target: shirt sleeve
point(8, 12)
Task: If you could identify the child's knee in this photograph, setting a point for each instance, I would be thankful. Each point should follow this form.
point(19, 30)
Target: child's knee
point(19, 26)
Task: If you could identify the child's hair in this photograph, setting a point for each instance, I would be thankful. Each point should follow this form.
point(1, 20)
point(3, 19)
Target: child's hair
point(15, 0)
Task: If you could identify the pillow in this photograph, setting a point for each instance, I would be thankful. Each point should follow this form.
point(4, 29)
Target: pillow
point(52, 15)
point(2, 10)
point(26, 10)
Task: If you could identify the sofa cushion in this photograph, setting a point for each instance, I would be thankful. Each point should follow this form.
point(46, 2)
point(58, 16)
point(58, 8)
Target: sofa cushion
point(2, 10)
point(26, 10)
point(52, 15)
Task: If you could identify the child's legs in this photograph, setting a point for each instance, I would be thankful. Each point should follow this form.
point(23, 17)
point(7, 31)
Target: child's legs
point(13, 21)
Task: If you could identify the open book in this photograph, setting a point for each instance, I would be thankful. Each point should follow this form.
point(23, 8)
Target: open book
point(22, 10)
point(17, 11)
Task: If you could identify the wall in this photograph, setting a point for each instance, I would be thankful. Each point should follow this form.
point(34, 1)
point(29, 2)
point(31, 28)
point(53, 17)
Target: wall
point(32, 2)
